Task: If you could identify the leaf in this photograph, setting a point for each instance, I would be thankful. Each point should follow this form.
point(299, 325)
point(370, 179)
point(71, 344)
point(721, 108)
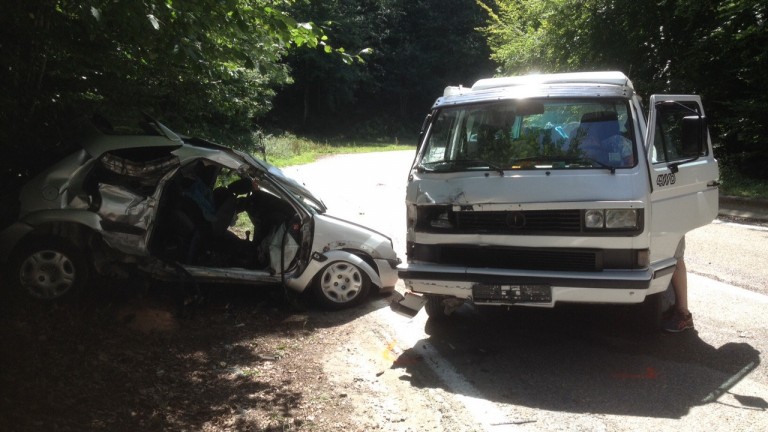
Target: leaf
point(96, 13)
point(153, 20)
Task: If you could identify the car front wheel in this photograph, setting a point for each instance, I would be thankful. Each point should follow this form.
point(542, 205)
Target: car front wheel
point(340, 285)
point(49, 268)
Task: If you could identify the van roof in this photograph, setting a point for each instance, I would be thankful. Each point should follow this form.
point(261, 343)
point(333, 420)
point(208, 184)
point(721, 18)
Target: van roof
point(612, 78)
point(580, 84)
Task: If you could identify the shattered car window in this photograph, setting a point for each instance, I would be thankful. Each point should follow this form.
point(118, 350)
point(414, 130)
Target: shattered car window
point(531, 134)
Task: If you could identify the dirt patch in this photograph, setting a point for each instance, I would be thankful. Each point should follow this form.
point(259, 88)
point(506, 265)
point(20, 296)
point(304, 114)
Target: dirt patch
point(236, 359)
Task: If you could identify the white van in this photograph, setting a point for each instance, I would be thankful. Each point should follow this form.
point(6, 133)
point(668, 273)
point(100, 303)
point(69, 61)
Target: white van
point(541, 189)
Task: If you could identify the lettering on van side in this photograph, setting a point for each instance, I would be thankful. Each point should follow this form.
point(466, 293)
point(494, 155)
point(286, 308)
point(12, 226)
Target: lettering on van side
point(665, 179)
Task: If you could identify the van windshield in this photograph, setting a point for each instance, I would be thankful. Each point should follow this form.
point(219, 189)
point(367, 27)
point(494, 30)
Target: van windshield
point(531, 134)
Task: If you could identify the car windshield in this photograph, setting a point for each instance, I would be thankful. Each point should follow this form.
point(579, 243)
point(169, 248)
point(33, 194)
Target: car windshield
point(531, 134)
point(313, 203)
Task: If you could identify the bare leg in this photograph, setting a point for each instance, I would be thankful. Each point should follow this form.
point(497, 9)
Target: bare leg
point(680, 284)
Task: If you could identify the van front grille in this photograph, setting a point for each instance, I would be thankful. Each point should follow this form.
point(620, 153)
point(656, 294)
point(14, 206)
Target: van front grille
point(518, 222)
point(587, 260)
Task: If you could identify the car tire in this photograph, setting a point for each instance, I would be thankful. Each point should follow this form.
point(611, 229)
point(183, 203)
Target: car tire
point(49, 269)
point(340, 285)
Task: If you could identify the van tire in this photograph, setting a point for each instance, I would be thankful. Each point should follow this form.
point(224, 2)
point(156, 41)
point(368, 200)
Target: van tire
point(650, 314)
point(435, 308)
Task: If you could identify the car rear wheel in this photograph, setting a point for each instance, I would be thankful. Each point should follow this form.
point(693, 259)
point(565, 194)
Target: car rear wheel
point(49, 268)
point(340, 285)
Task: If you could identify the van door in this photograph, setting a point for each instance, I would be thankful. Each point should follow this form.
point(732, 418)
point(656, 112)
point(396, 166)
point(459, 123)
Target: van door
point(684, 193)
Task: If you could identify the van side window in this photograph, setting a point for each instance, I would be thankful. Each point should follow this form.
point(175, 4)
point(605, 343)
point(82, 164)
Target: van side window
point(440, 136)
point(668, 144)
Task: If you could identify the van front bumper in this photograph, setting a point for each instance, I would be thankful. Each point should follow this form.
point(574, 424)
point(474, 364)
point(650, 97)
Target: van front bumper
point(609, 286)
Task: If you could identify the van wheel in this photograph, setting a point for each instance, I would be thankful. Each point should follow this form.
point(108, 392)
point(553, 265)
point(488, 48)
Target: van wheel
point(341, 285)
point(435, 307)
point(48, 268)
point(650, 314)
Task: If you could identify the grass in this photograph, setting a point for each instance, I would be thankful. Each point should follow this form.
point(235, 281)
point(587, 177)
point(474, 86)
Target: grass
point(734, 183)
point(287, 150)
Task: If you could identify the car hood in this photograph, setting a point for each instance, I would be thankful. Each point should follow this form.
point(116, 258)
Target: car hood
point(335, 233)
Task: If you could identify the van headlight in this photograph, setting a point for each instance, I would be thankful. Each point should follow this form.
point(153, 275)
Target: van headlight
point(611, 219)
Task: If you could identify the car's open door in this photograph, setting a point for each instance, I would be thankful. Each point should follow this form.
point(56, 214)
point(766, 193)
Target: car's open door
point(684, 172)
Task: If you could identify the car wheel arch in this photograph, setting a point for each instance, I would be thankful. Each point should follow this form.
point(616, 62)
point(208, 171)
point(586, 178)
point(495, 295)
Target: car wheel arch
point(320, 260)
point(78, 234)
point(360, 259)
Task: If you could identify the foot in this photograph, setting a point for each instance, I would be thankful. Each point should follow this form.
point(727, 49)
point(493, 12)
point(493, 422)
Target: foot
point(678, 321)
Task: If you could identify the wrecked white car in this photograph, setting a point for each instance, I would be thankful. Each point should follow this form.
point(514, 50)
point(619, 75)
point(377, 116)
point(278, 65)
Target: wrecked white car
point(544, 189)
point(185, 209)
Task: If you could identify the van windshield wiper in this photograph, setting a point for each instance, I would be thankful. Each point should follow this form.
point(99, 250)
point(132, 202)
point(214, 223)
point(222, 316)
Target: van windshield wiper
point(611, 168)
point(461, 163)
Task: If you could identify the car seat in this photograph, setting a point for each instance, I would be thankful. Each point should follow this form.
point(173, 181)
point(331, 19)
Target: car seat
point(594, 128)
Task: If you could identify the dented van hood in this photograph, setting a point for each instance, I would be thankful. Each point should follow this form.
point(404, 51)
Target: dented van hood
point(472, 189)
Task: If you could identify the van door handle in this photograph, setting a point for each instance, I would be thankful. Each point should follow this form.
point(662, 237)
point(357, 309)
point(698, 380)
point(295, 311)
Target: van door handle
point(713, 183)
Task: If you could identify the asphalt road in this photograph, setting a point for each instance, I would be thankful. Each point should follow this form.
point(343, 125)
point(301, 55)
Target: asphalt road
point(573, 368)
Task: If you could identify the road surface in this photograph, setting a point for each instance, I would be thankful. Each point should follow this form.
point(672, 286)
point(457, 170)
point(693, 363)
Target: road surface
point(571, 368)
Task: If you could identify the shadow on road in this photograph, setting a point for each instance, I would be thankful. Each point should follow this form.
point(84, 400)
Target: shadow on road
point(583, 360)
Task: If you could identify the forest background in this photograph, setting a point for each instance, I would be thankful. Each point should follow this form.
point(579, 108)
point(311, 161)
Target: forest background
point(339, 71)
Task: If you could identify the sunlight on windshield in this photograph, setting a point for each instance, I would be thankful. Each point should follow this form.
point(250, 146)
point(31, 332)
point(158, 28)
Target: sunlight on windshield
point(531, 134)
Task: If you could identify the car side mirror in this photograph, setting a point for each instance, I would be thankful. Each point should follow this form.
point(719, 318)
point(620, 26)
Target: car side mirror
point(694, 136)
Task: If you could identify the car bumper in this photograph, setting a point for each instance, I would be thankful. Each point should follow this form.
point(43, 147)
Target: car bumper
point(387, 269)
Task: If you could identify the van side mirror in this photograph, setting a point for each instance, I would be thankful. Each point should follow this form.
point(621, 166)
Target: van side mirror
point(694, 136)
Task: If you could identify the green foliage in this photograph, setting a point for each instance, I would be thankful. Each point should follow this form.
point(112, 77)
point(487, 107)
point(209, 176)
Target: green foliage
point(286, 149)
point(715, 48)
point(734, 183)
point(412, 49)
point(190, 62)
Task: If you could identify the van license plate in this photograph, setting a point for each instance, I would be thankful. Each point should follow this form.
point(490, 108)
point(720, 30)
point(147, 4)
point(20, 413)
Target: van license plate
point(512, 293)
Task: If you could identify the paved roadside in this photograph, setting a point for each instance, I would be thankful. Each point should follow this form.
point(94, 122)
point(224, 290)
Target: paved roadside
point(754, 209)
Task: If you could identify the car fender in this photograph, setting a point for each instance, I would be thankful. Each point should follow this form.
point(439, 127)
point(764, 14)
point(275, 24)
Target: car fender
point(82, 217)
point(320, 260)
point(11, 236)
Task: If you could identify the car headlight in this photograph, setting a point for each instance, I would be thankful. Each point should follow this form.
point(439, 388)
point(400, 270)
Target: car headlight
point(611, 218)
